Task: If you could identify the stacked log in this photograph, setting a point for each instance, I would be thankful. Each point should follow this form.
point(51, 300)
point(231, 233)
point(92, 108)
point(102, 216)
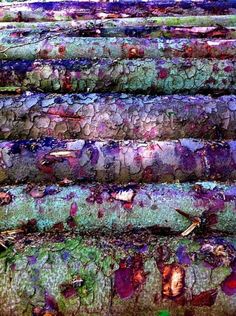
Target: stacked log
point(117, 158)
point(117, 116)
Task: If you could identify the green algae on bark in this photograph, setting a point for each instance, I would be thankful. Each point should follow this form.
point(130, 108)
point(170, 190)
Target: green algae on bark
point(148, 76)
point(52, 160)
point(62, 47)
point(220, 21)
point(120, 276)
point(117, 116)
point(71, 10)
point(112, 208)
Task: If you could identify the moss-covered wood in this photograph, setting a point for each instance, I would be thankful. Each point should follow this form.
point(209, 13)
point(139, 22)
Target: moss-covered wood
point(147, 76)
point(62, 275)
point(75, 10)
point(63, 47)
point(114, 208)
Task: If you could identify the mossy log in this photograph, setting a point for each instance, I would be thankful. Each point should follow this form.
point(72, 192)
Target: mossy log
point(62, 47)
point(148, 76)
point(141, 275)
point(71, 10)
point(218, 21)
point(164, 209)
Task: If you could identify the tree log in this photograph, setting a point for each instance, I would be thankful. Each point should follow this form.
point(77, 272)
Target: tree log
point(116, 209)
point(149, 76)
point(11, 33)
point(118, 162)
point(62, 47)
point(71, 10)
point(117, 116)
point(220, 21)
point(57, 275)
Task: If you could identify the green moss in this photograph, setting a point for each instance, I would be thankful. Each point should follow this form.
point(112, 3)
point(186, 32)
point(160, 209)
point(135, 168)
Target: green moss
point(163, 313)
point(86, 291)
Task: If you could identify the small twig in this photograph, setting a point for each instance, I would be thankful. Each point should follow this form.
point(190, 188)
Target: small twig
point(11, 232)
point(196, 223)
point(3, 245)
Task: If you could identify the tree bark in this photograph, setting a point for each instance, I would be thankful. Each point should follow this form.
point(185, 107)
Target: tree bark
point(116, 209)
point(62, 47)
point(220, 21)
point(14, 33)
point(117, 116)
point(149, 76)
point(106, 276)
point(118, 162)
point(71, 10)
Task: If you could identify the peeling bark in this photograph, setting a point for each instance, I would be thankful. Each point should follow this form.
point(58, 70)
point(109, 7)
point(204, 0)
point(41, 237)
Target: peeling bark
point(117, 116)
point(71, 10)
point(163, 76)
point(118, 276)
point(62, 47)
point(118, 162)
point(112, 208)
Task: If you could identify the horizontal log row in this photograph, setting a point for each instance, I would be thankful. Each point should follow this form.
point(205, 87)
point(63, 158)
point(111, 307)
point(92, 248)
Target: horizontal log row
point(148, 76)
point(70, 10)
point(117, 116)
point(112, 208)
point(62, 47)
point(51, 160)
point(220, 21)
point(164, 276)
point(14, 33)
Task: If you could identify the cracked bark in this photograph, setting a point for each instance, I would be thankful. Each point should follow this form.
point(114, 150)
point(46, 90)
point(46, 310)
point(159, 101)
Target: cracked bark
point(53, 160)
point(62, 47)
point(113, 208)
point(163, 76)
point(70, 10)
point(119, 266)
point(121, 276)
point(117, 116)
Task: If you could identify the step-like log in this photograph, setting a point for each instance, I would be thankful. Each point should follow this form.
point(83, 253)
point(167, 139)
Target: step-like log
point(10, 33)
point(71, 10)
point(117, 116)
point(148, 76)
point(64, 47)
point(141, 275)
point(53, 160)
point(220, 21)
point(168, 209)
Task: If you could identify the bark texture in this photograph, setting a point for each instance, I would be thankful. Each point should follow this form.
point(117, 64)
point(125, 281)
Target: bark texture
point(145, 276)
point(53, 160)
point(91, 226)
point(117, 116)
point(155, 76)
point(115, 209)
point(71, 10)
point(219, 21)
point(62, 47)
point(12, 34)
